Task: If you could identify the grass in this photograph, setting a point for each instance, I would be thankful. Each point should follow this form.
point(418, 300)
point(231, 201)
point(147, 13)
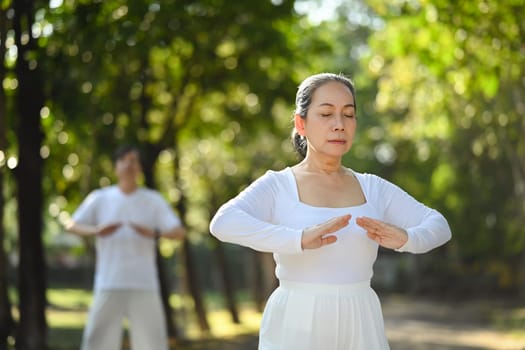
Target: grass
point(67, 314)
point(510, 320)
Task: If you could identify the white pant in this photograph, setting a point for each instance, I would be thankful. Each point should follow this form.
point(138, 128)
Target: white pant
point(145, 315)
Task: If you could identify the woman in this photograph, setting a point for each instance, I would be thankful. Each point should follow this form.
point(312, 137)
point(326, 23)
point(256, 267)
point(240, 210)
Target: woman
point(324, 223)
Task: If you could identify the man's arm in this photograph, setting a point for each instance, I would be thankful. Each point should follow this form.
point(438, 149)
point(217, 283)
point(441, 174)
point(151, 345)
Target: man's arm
point(91, 230)
point(178, 232)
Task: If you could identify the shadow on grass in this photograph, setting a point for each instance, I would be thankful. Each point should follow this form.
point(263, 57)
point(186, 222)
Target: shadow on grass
point(64, 338)
point(68, 308)
point(398, 345)
point(412, 324)
point(241, 342)
point(69, 339)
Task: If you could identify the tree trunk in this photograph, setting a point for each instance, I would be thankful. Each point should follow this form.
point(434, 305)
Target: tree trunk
point(264, 280)
point(151, 153)
point(194, 286)
point(6, 318)
point(191, 268)
point(268, 274)
point(227, 283)
point(258, 281)
point(31, 334)
point(165, 292)
point(224, 272)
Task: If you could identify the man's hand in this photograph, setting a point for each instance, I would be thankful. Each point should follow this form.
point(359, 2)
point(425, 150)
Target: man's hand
point(318, 236)
point(143, 231)
point(386, 235)
point(107, 230)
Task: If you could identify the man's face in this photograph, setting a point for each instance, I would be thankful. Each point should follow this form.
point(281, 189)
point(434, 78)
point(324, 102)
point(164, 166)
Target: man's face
point(127, 167)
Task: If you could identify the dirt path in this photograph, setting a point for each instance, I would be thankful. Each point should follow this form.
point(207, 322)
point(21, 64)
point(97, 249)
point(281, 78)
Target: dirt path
point(424, 324)
point(438, 325)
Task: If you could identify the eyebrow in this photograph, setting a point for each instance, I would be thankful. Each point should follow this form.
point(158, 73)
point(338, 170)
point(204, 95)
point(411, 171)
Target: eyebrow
point(331, 105)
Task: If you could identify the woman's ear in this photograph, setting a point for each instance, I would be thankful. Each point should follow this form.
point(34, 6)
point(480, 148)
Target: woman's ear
point(299, 124)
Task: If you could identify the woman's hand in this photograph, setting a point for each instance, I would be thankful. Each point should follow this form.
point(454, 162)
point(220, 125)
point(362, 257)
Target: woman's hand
point(386, 235)
point(316, 236)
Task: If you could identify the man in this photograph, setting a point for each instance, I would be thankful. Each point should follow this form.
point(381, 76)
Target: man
point(126, 220)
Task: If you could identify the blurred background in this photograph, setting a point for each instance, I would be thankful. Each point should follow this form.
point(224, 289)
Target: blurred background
point(207, 88)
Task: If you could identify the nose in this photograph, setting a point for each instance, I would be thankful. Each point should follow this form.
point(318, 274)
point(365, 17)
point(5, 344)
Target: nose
point(339, 124)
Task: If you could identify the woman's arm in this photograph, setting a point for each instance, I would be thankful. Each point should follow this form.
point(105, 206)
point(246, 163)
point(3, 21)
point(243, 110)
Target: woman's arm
point(425, 228)
point(247, 220)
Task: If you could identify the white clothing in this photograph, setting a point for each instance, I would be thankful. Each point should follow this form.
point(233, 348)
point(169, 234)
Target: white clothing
point(143, 310)
point(269, 216)
point(126, 279)
point(126, 259)
point(310, 316)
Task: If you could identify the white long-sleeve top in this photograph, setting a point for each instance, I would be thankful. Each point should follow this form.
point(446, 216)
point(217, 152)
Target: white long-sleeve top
point(269, 216)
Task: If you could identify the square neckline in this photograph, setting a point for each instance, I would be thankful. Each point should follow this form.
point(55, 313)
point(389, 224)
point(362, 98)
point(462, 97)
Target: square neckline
point(293, 181)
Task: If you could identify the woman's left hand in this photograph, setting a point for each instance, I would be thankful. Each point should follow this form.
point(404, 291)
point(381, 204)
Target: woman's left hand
point(386, 235)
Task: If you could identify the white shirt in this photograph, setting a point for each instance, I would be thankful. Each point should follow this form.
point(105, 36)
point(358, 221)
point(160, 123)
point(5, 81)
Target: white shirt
point(126, 259)
point(269, 216)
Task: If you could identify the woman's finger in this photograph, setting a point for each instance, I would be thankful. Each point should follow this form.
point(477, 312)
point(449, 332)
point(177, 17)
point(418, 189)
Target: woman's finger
point(328, 240)
point(371, 225)
point(336, 224)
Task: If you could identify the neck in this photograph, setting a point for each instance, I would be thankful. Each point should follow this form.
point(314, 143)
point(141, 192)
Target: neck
point(325, 165)
point(127, 186)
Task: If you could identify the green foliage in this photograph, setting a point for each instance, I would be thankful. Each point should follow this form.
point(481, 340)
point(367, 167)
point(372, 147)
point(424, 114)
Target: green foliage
point(160, 74)
point(454, 86)
point(207, 87)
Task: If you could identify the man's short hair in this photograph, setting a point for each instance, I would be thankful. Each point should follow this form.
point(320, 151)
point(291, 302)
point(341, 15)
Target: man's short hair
point(125, 149)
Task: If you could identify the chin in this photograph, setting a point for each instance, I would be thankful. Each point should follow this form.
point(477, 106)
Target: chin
point(337, 155)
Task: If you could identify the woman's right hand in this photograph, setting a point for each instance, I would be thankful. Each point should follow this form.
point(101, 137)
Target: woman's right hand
point(318, 236)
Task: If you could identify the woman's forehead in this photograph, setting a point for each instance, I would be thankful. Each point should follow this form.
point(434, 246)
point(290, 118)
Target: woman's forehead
point(332, 93)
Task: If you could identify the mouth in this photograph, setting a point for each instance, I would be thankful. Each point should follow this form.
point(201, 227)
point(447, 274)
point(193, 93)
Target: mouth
point(337, 142)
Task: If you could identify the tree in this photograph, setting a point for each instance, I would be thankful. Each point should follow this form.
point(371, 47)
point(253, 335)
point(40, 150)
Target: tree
point(28, 174)
point(6, 318)
point(154, 71)
point(451, 96)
